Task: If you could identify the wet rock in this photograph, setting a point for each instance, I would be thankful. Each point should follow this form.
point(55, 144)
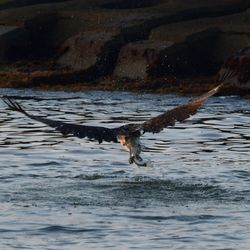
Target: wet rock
point(159, 58)
point(146, 39)
point(21, 3)
point(234, 34)
point(135, 58)
point(83, 51)
point(41, 30)
point(190, 57)
point(124, 4)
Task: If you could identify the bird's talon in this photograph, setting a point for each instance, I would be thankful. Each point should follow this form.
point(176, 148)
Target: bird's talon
point(139, 158)
point(131, 160)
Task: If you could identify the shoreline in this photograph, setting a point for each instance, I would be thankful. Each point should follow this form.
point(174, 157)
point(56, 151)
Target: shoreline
point(182, 87)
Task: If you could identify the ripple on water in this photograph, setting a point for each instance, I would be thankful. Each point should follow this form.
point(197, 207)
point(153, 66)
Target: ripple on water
point(67, 230)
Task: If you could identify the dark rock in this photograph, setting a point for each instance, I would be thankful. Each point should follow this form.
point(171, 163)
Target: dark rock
point(84, 40)
point(14, 43)
point(159, 58)
point(21, 3)
point(135, 58)
point(234, 34)
point(41, 29)
point(124, 4)
point(83, 51)
point(191, 57)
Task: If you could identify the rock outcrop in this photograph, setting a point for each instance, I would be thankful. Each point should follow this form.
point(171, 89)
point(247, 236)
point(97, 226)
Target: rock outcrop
point(136, 58)
point(68, 41)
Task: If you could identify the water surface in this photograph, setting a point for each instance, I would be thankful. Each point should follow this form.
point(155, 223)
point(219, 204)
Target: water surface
point(68, 193)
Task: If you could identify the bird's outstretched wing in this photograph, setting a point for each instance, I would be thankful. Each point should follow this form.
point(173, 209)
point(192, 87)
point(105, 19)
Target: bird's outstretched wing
point(154, 125)
point(92, 132)
point(180, 113)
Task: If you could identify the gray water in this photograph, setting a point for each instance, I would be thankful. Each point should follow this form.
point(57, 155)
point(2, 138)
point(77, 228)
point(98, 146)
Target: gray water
point(67, 193)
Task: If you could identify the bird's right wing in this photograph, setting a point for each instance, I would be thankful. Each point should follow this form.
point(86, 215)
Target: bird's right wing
point(228, 70)
point(180, 113)
point(92, 132)
point(236, 66)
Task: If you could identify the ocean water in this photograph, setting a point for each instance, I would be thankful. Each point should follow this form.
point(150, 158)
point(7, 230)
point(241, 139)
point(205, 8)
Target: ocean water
point(61, 192)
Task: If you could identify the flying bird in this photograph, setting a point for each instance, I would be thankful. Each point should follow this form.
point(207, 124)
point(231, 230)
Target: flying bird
point(129, 134)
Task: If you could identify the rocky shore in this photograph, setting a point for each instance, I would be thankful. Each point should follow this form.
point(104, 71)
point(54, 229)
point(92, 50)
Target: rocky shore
point(157, 46)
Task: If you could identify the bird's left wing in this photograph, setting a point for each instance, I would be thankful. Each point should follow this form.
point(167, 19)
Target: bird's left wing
point(92, 132)
point(180, 113)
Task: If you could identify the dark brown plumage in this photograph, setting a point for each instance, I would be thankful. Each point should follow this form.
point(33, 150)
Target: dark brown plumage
point(129, 134)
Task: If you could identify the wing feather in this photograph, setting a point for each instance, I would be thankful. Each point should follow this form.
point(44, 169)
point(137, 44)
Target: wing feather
point(92, 132)
point(180, 113)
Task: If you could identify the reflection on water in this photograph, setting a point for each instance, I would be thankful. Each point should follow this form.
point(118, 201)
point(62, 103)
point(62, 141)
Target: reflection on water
point(69, 193)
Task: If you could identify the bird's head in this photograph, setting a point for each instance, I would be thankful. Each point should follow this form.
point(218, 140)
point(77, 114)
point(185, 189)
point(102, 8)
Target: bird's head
point(123, 139)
